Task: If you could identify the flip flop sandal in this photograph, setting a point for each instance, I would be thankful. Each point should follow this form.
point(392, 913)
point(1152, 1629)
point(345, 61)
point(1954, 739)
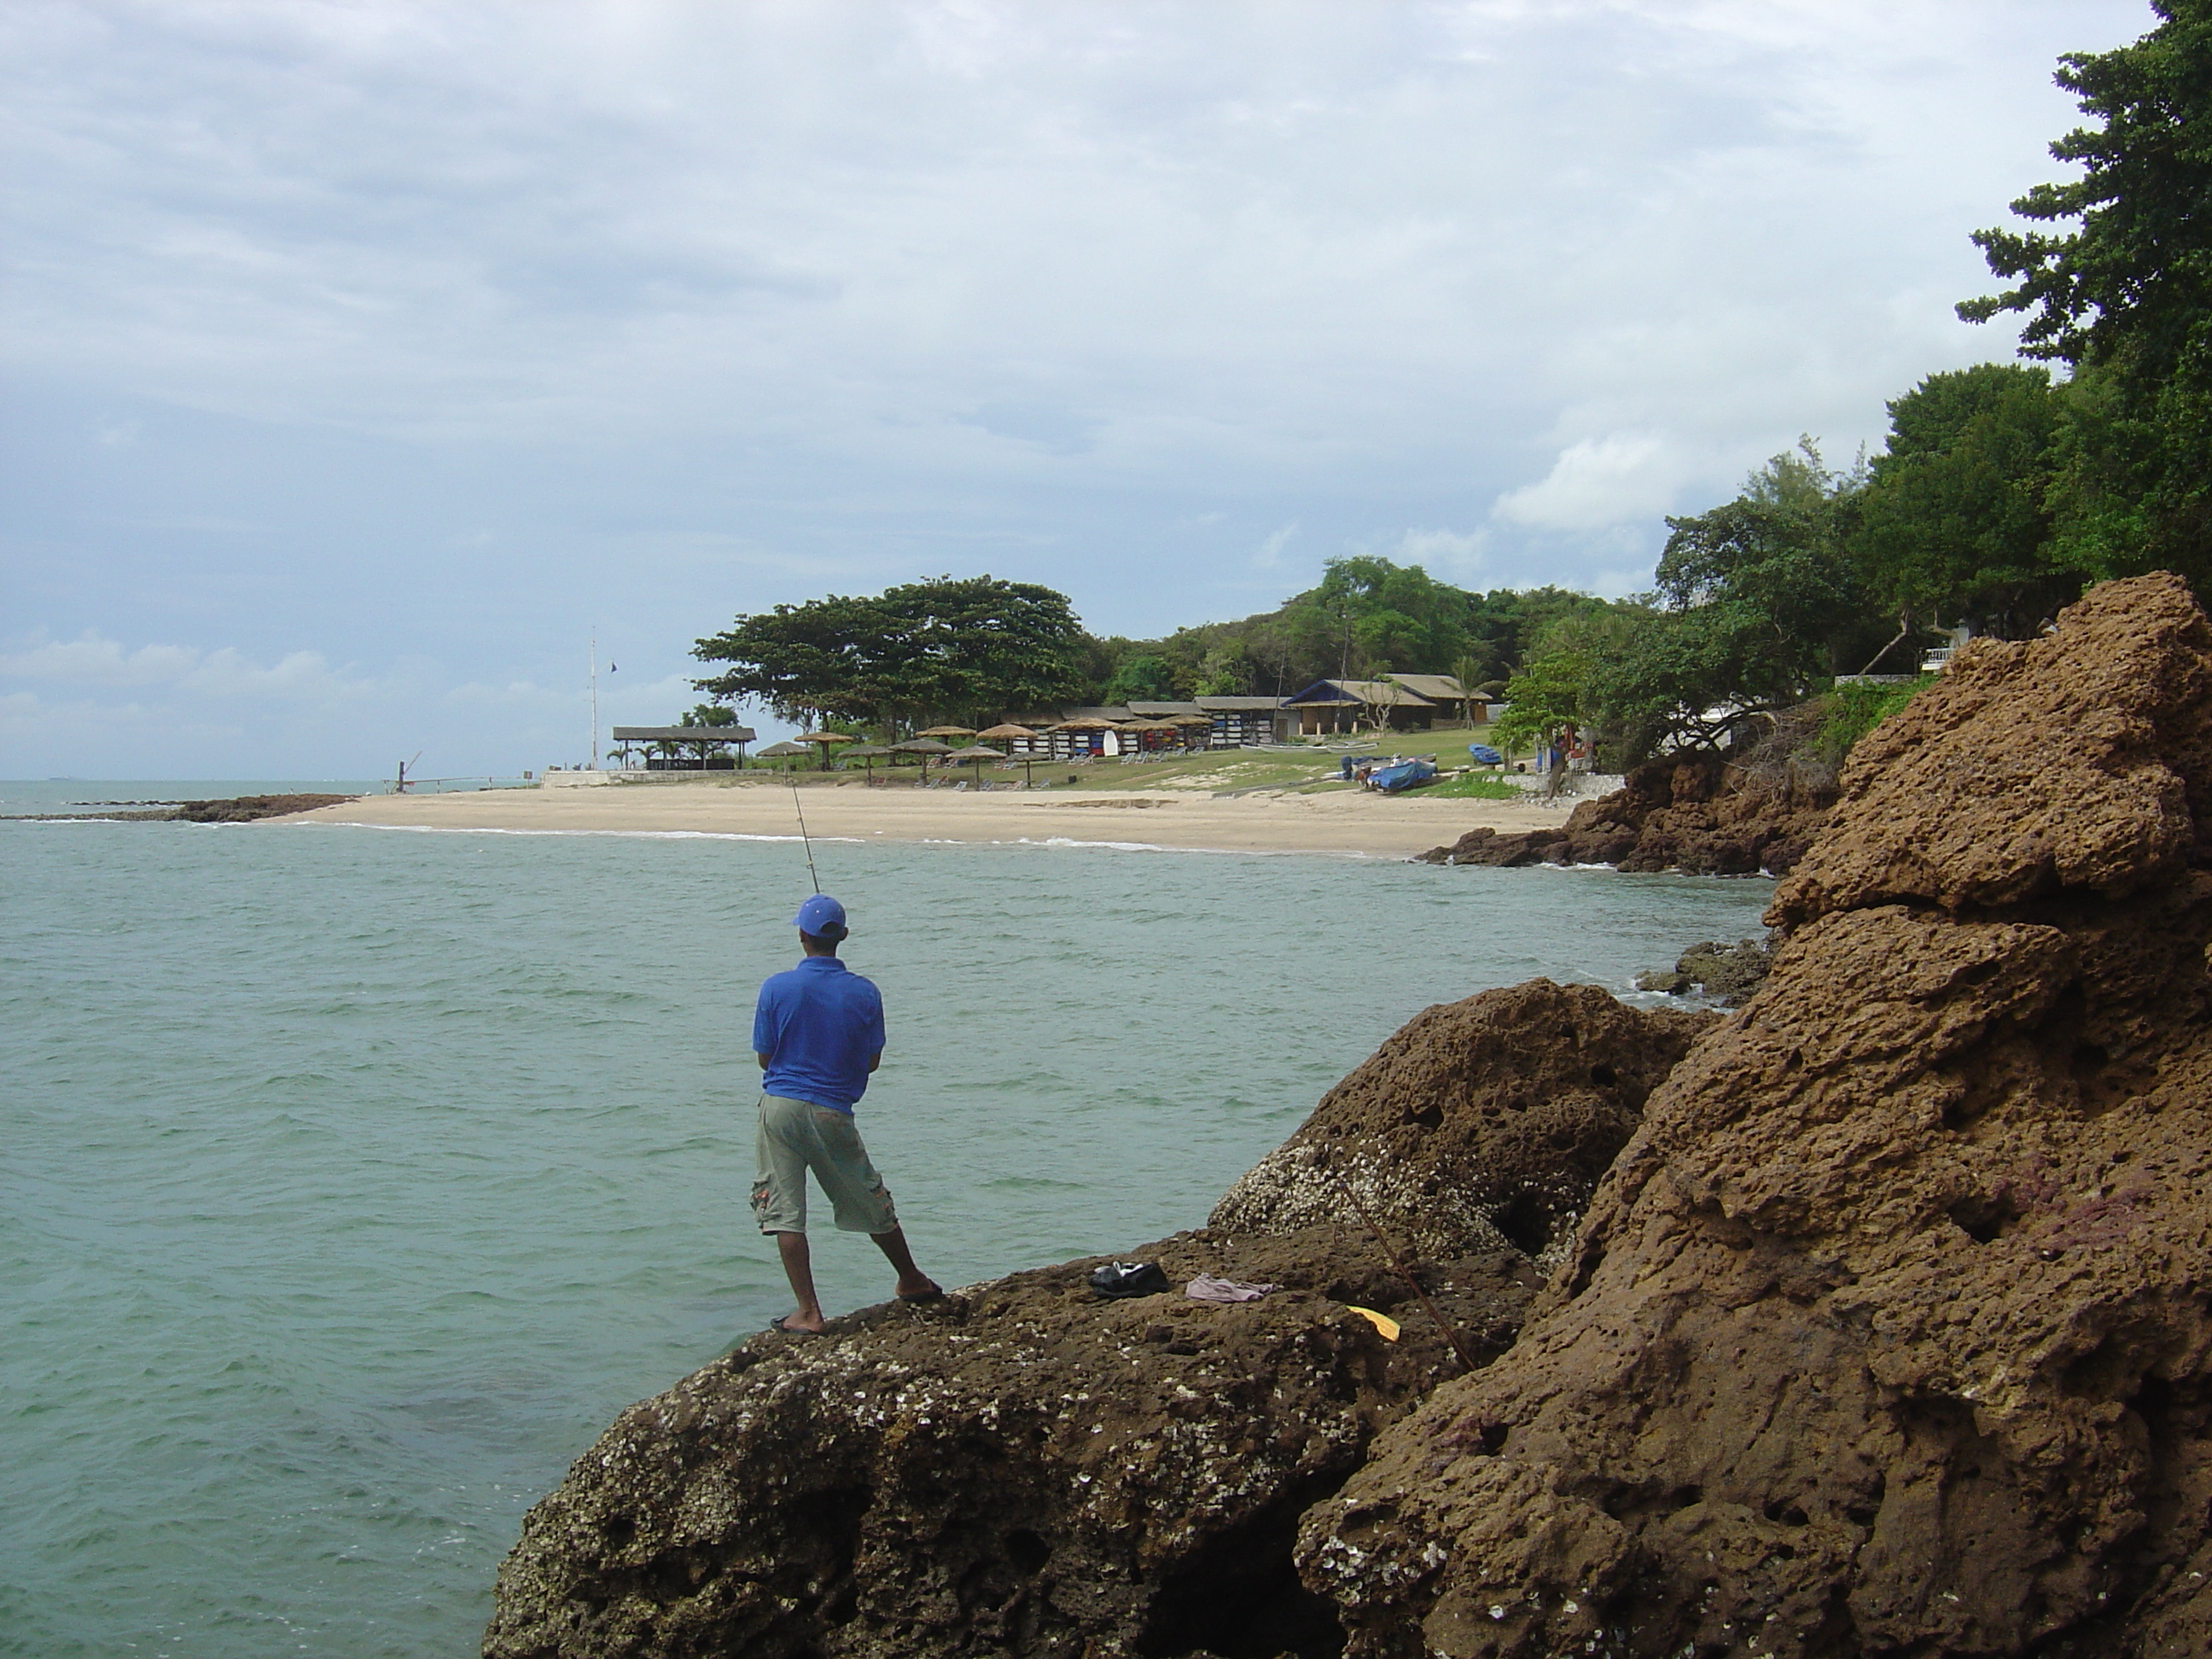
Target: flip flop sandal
point(782, 1329)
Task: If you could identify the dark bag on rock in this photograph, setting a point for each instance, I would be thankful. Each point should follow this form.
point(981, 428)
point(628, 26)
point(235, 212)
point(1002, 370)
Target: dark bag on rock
point(1121, 1278)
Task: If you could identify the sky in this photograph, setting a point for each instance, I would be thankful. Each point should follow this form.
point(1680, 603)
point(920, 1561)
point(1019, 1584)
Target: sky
point(363, 363)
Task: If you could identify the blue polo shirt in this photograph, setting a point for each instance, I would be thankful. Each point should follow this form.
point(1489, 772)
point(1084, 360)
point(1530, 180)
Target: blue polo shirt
point(820, 1025)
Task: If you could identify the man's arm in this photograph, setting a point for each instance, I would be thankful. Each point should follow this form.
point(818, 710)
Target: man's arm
point(874, 1060)
point(764, 1060)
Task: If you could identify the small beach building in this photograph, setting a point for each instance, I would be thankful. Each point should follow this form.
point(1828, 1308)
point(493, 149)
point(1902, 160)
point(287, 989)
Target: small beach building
point(1446, 693)
point(664, 746)
point(1246, 722)
point(1085, 737)
point(1338, 707)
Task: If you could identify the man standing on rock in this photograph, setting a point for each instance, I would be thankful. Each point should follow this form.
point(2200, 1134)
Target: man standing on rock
point(818, 1033)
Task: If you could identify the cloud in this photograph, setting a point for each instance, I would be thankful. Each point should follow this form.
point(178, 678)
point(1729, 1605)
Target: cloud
point(93, 661)
point(1452, 552)
point(1271, 547)
point(1595, 485)
point(473, 322)
point(176, 711)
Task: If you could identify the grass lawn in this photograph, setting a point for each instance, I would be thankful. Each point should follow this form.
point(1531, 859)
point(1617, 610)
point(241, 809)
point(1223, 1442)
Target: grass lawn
point(1208, 772)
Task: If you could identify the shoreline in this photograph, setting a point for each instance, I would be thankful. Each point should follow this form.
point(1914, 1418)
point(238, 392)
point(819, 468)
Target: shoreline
point(1355, 824)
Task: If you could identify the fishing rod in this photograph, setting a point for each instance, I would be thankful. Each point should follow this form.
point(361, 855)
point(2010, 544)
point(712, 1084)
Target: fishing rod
point(1404, 1271)
point(803, 840)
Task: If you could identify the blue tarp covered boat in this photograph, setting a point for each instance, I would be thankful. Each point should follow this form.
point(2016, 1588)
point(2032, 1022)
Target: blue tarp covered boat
point(1485, 755)
point(1405, 775)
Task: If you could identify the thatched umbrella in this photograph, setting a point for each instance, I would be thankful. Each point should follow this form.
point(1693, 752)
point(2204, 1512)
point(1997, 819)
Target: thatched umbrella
point(868, 754)
point(946, 732)
point(777, 751)
point(1022, 738)
point(823, 739)
point(924, 747)
point(974, 754)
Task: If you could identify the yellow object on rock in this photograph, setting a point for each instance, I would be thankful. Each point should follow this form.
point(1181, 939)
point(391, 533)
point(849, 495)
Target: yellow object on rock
point(1381, 1322)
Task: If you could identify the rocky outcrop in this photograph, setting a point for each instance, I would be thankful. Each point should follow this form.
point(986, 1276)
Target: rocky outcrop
point(1021, 1468)
point(241, 809)
point(1754, 810)
point(1480, 1125)
point(1890, 1331)
point(247, 809)
point(1729, 974)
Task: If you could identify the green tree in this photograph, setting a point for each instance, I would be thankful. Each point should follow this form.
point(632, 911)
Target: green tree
point(1223, 671)
point(1507, 626)
point(1149, 678)
point(1544, 697)
point(2126, 296)
point(935, 650)
point(1369, 616)
point(1757, 598)
point(1954, 522)
point(709, 713)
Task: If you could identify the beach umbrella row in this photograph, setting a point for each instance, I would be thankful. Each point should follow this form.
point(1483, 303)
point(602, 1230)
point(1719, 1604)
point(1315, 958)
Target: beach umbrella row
point(928, 743)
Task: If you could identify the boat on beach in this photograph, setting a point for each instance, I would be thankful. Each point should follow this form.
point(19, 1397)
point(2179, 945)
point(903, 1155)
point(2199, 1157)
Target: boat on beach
point(1401, 776)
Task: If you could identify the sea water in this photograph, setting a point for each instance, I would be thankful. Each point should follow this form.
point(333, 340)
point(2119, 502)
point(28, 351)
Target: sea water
point(351, 1180)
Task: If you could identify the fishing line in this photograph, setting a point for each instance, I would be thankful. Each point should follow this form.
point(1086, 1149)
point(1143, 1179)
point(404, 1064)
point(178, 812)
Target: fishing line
point(803, 840)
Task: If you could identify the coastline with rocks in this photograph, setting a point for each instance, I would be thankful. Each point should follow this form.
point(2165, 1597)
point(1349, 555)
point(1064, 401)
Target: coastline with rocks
point(1867, 1319)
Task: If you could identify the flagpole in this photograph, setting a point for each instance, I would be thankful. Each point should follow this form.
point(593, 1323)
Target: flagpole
point(594, 765)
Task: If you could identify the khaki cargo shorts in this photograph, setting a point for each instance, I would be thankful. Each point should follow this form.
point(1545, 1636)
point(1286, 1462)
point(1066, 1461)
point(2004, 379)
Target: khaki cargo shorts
point(796, 1136)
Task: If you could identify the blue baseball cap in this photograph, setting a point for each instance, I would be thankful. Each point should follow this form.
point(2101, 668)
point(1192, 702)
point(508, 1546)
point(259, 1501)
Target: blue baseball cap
point(821, 917)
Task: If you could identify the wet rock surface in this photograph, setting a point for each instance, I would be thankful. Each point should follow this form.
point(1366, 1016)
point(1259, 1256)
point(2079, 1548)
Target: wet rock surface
point(1747, 812)
point(1480, 1125)
point(1888, 1333)
point(1021, 1467)
point(1729, 974)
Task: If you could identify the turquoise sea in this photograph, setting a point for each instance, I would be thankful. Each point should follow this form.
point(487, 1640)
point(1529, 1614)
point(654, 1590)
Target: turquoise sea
point(351, 1180)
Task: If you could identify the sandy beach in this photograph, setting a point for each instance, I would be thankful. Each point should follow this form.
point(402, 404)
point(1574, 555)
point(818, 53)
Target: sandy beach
point(1355, 824)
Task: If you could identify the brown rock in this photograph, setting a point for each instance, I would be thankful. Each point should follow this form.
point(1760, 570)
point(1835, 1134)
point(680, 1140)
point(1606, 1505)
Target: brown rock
point(1480, 1125)
point(1753, 810)
point(247, 809)
point(1020, 1468)
point(2082, 760)
point(1888, 1332)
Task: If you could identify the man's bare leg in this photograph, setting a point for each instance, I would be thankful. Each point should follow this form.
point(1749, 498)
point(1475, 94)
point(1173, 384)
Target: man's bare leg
point(799, 1268)
point(912, 1283)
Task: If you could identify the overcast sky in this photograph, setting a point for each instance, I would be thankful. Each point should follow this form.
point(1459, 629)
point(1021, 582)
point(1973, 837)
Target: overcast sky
point(363, 359)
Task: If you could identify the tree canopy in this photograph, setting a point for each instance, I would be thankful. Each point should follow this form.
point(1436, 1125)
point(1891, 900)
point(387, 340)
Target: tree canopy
point(926, 651)
point(1955, 522)
point(2125, 298)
